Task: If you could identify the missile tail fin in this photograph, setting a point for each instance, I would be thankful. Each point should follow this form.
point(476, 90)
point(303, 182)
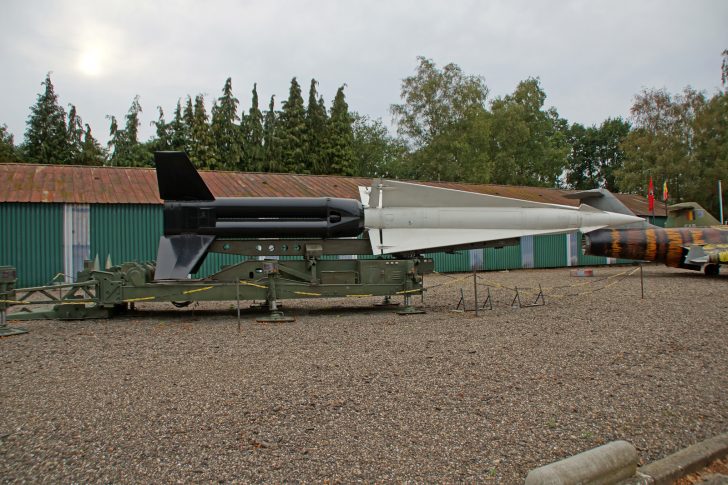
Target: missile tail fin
point(180, 255)
point(178, 179)
point(604, 200)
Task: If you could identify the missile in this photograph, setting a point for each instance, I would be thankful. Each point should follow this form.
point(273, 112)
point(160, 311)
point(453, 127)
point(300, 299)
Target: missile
point(404, 217)
point(399, 217)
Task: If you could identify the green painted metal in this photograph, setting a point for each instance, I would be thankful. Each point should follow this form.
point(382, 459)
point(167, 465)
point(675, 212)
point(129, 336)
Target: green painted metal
point(31, 239)
point(550, 251)
point(126, 232)
point(508, 257)
point(214, 262)
point(457, 262)
point(101, 293)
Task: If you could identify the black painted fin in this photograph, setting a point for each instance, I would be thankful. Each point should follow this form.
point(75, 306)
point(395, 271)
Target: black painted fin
point(178, 179)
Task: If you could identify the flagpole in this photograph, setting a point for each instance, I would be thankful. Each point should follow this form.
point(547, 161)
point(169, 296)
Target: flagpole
point(720, 201)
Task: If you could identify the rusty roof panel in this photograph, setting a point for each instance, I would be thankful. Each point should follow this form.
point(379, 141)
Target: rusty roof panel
point(123, 185)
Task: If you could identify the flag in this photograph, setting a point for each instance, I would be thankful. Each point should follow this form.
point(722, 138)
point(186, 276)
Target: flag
point(664, 191)
point(651, 195)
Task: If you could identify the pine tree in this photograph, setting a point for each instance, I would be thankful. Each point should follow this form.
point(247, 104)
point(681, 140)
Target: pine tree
point(163, 139)
point(91, 151)
point(188, 120)
point(293, 132)
point(126, 151)
point(8, 152)
point(225, 131)
point(252, 128)
point(202, 150)
point(316, 131)
point(271, 139)
point(177, 130)
point(46, 140)
point(340, 154)
point(74, 131)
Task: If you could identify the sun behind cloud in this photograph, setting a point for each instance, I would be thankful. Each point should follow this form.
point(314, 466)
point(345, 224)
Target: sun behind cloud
point(90, 62)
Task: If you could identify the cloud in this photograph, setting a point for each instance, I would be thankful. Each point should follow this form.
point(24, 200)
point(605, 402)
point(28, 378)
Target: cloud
point(592, 57)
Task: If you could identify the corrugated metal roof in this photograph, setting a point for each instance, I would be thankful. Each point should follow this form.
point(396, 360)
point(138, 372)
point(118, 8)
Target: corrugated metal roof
point(122, 185)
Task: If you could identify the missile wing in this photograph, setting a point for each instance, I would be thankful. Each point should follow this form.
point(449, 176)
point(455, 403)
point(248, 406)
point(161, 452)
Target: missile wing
point(404, 217)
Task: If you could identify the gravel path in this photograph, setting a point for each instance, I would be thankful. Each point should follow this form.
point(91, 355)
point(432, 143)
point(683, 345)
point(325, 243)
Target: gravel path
point(353, 393)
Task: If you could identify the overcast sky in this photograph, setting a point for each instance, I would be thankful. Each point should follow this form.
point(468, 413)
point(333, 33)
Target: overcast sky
point(592, 56)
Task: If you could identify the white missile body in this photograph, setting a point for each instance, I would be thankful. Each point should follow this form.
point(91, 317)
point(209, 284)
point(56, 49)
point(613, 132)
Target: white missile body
point(403, 217)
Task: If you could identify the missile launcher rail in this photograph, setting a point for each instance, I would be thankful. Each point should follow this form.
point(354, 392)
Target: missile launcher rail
point(103, 293)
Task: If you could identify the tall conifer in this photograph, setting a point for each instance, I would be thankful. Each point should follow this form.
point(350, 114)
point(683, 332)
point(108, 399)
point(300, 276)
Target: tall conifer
point(293, 132)
point(74, 131)
point(271, 139)
point(202, 149)
point(226, 131)
point(177, 130)
point(46, 140)
point(316, 131)
point(91, 151)
point(340, 154)
point(253, 134)
point(163, 140)
point(8, 152)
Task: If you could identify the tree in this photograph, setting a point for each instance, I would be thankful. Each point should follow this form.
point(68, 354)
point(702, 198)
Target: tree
point(202, 144)
point(375, 152)
point(126, 151)
point(292, 132)
point(339, 159)
point(188, 120)
point(91, 151)
point(271, 139)
point(316, 136)
point(711, 152)
point(253, 135)
point(444, 121)
point(46, 140)
point(435, 100)
point(662, 143)
point(529, 145)
point(74, 131)
point(226, 131)
point(163, 139)
point(8, 152)
point(178, 136)
point(596, 154)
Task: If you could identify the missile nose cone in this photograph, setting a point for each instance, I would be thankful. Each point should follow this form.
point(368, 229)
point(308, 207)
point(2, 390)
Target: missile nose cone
point(617, 219)
point(593, 219)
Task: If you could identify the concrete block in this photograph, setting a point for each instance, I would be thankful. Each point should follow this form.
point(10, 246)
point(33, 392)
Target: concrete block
point(686, 461)
point(604, 465)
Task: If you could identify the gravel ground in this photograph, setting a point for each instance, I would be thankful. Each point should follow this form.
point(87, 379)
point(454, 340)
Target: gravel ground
point(350, 392)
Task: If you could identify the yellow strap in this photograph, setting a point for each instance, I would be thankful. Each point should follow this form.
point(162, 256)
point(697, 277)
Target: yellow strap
point(197, 289)
point(17, 302)
point(132, 300)
point(357, 296)
point(252, 284)
point(306, 294)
